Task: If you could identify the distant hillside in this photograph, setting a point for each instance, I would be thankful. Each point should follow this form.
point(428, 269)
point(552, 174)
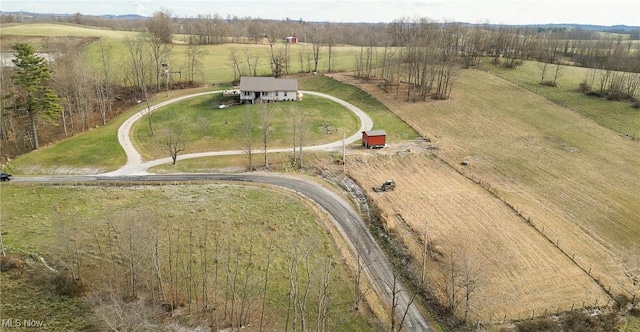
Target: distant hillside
point(26, 16)
point(603, 28)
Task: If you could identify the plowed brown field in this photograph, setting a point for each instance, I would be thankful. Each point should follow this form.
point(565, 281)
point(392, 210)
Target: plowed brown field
point(547, 205)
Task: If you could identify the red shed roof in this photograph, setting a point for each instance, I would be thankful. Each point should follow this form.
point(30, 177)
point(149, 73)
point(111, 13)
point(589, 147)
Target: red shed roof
point(375, 132)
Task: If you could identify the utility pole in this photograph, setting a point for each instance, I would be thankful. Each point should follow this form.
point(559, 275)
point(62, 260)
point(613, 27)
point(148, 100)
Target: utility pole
point(166, 76)
point(344, 154)
point(424, 252)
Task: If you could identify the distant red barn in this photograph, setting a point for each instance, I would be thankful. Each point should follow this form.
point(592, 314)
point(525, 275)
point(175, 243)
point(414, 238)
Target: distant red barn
point(374, 139)
point(291, 40)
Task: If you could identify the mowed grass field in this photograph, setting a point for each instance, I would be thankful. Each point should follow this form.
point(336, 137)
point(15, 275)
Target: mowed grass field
point(258, 224)
point(575, 180)
point(618, 116)
point(207, 128)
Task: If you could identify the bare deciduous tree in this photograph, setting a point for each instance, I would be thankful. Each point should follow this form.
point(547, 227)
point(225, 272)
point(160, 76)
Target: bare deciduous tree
point(160, 53)
point(462, 277)
point(264, 290)
point(160, 26)
point(138, 53)
point(234, 60)
point(324, 298)
point(194, 53)
point(244, 133)
point(298, 132)
point(172, 138)
point(316, 45)
point(266, 114)
point(397, 312)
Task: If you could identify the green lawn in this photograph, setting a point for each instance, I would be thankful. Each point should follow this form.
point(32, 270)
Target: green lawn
point(98, 150)
point(208, 128)
point(94, 151)
point(382, 117)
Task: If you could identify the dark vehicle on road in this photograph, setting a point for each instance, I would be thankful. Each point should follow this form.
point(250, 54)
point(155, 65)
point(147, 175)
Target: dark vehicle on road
point(5, 177)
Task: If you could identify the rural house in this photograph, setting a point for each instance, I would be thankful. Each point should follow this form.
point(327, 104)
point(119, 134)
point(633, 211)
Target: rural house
point(267, 89)
point(374, 139)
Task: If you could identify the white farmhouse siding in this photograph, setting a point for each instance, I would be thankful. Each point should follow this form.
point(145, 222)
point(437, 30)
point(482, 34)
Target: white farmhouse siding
point(286, 89)
point(266, 89)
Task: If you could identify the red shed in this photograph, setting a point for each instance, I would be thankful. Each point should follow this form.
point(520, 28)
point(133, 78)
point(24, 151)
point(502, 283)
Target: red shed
point(374, 139)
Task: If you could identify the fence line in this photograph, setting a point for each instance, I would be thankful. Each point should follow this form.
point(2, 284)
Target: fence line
point(529, 220)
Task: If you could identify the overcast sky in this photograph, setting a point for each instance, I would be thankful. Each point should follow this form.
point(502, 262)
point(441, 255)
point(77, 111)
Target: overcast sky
point(598, 12)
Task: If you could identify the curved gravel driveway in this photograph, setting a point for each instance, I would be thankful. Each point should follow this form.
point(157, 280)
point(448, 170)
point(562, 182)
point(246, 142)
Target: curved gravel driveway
point(136, 166)
point(375, 264)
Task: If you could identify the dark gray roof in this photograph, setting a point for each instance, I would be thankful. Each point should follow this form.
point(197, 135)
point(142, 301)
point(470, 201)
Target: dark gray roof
point(267, 84)
point(375, 132)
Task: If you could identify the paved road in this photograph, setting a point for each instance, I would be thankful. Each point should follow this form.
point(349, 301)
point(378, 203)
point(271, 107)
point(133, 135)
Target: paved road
point(345, 218)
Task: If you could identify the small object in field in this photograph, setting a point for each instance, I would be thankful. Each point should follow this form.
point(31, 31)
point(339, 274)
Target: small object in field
point(388, 185)
point(5, 177)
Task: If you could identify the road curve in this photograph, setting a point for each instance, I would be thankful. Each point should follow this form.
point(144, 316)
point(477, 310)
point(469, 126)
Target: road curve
point(348, 222)
point(374, 262)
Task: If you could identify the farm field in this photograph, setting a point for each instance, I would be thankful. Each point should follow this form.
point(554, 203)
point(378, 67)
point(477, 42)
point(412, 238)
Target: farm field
point(575, 181)
point(216, 69)
point(519, 271)
point(618, 116)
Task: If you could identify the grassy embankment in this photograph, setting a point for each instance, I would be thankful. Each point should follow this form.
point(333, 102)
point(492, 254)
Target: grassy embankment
point(57, 222)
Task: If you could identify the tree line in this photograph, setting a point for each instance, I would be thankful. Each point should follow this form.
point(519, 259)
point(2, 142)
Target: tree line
point(141, 270)
point(416, 59)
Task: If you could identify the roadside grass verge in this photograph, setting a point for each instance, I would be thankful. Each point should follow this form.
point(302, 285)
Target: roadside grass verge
point(279, 162)
point(90, 229)
point(617, 115)
point(205, 127)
